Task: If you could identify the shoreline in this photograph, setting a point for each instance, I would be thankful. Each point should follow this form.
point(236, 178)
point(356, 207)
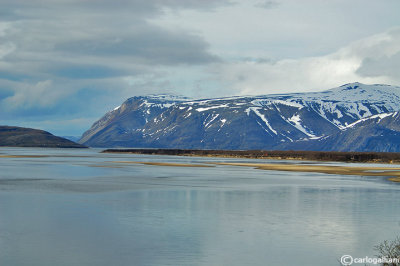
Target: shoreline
point(354, 157)
point(392, 174)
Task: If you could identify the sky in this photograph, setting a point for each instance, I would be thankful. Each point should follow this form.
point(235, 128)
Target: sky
point(65, 63)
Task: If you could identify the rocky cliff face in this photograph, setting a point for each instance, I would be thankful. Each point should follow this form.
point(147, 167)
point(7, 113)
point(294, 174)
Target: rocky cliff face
point(300, 121)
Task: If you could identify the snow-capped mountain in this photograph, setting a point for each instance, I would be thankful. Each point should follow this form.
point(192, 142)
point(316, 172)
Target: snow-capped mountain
point(246, 122)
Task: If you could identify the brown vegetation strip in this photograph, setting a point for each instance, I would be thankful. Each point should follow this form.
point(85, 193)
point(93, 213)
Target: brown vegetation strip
point(374, 157)
point(167, 164)
point(393, 173)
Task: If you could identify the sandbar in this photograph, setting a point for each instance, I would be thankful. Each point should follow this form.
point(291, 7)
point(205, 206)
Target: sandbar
point(392, 172)
point(166, 164)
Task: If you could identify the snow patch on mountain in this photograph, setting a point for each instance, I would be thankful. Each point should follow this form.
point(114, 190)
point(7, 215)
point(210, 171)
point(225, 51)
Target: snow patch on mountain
point(208, 124)
point(263, 118)
point(211, 107)
point(168, 97)
point(289, 103)
point(295, 119)
point(379, 116)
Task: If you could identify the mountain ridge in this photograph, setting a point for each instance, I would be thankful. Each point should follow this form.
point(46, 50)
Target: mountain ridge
point(278, 121)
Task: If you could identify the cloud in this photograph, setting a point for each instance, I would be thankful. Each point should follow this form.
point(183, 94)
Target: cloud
point(388, 66)
point(87, 71)
point(77, 54)
point(67, 59)
point(267, 4)
point(371, 60)
point(382, 58)
point(40, 94)
point(6, 48)
point(146, 44)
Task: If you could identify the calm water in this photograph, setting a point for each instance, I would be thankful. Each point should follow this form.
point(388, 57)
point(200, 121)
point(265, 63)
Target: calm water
point(81, 207)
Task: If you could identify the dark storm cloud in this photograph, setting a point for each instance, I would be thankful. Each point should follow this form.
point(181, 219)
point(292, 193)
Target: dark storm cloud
point(147, 44)
point(137, 8)
point(65, 57)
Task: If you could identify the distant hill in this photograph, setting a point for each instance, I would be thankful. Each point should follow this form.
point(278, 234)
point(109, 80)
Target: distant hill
point(28, 137)
point(352, 117)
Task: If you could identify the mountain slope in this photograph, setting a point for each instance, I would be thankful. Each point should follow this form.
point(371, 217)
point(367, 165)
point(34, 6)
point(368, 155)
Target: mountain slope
point(28, 137)
point(377, 133)
point(249, 122)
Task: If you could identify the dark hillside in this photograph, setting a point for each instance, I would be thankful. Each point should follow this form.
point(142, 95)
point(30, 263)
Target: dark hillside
point(28, 137)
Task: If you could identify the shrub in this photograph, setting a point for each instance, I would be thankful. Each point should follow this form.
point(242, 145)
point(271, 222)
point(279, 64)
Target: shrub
point(390, 250)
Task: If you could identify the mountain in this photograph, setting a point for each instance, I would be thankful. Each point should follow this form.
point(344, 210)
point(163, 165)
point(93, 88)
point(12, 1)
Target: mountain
point(28, 137)
point(377, 133)
point(279, 121)
point(72, 138)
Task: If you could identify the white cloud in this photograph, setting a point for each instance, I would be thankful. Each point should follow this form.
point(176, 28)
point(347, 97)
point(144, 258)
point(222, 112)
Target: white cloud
point(293, 29)
point(267, 4)
point(6, 48)
point(41, 94)
point(313, 73)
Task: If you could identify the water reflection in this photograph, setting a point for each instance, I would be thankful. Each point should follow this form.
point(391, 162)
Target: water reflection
point(65, 212)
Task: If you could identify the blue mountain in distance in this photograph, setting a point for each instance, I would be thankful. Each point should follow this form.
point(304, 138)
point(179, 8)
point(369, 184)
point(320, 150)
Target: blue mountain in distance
point(72, 138)
point(352, 117)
